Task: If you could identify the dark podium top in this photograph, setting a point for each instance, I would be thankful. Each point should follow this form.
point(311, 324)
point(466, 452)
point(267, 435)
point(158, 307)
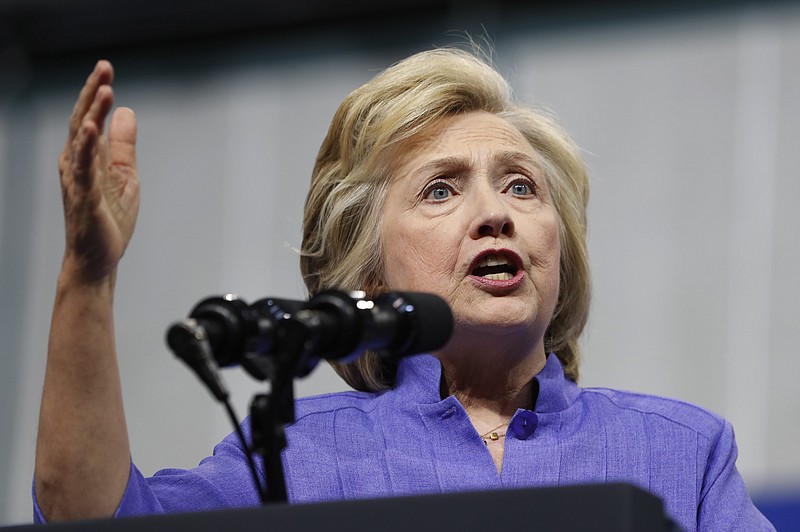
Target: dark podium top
point(606, 507)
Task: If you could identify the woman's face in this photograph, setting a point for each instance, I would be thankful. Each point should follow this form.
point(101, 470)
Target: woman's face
point(468, 217)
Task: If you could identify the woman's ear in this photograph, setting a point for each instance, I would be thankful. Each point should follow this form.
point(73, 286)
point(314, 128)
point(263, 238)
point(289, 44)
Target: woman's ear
point(373, 287)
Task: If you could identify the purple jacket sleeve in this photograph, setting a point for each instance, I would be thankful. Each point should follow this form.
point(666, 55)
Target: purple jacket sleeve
point(220, 481)
point(725, 503)
point(138, 499)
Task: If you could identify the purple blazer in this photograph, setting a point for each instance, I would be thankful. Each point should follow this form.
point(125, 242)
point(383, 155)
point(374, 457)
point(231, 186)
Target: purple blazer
point(408, 440)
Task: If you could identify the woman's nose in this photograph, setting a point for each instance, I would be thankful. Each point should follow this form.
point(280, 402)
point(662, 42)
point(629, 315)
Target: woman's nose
point(492, 216)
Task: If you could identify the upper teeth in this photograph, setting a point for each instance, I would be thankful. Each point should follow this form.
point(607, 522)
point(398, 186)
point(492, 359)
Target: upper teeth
point(492, 260)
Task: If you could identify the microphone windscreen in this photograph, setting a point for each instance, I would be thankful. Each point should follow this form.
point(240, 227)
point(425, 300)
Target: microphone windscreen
point(429, 322)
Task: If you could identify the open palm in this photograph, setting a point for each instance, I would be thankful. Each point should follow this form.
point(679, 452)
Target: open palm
point(99, 181)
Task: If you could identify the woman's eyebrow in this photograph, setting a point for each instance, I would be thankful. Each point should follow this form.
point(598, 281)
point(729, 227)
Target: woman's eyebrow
point(450, 164)
point(517, 157)
point(459, 163)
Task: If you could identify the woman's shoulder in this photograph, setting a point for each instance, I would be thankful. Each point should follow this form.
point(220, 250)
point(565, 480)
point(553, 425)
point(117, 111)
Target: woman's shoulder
point(658, 409)
point(330, 403)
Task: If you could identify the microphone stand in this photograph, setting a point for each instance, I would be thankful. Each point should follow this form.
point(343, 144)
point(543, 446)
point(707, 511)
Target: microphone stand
point(279, 340)
point(245, 334)
point(271, 412)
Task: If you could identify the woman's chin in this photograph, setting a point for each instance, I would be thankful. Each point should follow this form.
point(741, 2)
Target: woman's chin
point(491, 309)
point(502, 323)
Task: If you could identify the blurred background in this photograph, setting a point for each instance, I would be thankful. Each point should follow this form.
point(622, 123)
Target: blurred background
point(688, 114)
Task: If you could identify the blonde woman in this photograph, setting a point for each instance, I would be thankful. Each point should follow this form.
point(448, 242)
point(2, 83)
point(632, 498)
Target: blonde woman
point(430, 179)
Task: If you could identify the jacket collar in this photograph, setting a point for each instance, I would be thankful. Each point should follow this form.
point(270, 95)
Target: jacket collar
point(418, 379)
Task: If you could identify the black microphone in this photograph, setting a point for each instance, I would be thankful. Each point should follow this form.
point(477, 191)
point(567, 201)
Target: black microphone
point(236, 333)
point(333, 325)
point(394, 324)
point(189, 341)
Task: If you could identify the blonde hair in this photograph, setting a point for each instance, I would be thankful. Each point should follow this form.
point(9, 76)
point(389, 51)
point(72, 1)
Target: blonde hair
point(342, 245)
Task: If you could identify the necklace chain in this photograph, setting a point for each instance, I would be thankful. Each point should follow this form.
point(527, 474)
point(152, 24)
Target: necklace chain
point(493, 435)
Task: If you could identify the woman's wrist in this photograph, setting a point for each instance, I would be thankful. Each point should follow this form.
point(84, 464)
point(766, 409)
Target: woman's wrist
point(73, 279)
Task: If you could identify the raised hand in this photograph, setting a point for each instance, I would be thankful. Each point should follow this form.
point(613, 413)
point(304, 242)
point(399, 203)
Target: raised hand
point(99, 181)
point(82, 451)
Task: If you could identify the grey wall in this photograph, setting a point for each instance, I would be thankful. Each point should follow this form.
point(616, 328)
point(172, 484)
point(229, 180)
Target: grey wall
point(690, 126)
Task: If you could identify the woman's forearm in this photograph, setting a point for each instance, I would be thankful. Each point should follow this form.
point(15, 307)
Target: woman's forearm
point(82, 454)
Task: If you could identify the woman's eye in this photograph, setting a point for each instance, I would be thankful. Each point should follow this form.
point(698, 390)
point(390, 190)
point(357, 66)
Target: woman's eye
point(522, 189)
point(438, 193)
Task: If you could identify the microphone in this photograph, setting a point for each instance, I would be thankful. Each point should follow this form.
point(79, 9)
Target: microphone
point(333, 325)
point(189, 342)
point(277, 340)
point(235, 333)
point(394, 324)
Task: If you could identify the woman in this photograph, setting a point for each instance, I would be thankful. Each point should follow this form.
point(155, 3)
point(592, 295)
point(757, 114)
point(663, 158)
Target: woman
point(430, 179)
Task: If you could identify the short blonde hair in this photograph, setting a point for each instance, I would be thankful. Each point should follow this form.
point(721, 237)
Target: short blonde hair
point(342, 245)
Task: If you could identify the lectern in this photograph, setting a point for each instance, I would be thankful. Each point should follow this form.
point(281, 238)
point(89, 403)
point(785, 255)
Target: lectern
point(602, 507)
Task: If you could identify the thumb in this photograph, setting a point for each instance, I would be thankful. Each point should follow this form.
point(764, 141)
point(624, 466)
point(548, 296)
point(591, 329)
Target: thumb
point(122, 138)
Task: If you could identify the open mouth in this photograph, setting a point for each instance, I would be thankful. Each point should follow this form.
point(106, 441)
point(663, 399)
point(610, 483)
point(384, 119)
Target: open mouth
point(496, 267)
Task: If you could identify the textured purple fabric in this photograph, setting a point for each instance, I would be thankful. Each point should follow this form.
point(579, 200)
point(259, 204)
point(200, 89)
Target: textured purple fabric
point(409, 441)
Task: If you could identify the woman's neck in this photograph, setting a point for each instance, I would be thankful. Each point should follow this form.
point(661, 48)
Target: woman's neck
point(491, 387)
point(491, 377)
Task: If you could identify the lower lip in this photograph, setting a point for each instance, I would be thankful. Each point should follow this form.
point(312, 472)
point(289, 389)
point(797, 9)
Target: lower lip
point(505, 284)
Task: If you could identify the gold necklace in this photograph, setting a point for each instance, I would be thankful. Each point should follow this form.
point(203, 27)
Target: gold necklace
point(492, 434)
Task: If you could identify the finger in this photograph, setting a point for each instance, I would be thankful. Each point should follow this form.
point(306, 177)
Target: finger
point(122, 138)
point(103, 74)
point(84, 150)
point(102, 98)
point(84, 146)
point(99, 163)
point(101, 106)
point(99, 74)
